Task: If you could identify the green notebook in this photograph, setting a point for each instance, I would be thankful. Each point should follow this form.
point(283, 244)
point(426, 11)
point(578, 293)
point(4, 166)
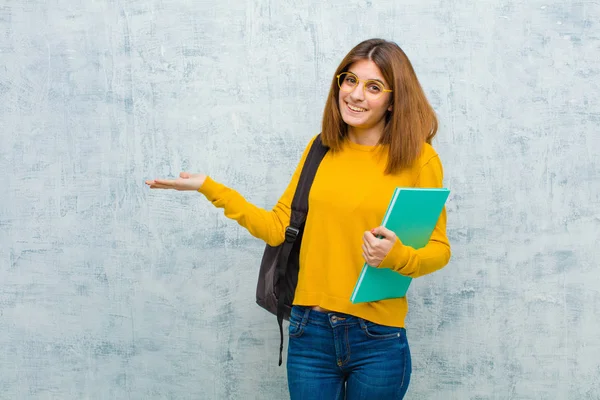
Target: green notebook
point(412, 215)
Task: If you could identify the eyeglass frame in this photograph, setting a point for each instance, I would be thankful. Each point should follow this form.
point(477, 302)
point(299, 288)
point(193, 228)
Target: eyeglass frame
point(359, 81)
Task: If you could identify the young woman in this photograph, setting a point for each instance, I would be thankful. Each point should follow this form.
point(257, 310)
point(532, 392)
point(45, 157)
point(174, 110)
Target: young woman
point(378, 126)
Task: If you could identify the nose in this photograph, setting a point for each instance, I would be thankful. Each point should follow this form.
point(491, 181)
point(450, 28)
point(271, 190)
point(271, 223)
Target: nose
point(358, 93)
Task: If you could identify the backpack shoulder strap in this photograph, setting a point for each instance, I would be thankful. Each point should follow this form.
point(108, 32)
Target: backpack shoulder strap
point(309, 170)
point(298, 217)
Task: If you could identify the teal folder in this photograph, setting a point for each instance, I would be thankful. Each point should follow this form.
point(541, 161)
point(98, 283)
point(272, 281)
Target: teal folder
point(412, 215)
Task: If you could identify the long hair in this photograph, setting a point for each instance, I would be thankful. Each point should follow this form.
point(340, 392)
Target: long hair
point(411, 122)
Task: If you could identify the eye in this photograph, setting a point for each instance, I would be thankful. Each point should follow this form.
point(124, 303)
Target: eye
point(350, 79)
point(374, 87)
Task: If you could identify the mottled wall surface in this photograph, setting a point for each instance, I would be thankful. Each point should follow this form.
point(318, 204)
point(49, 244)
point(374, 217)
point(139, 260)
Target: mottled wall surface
point(111, 291)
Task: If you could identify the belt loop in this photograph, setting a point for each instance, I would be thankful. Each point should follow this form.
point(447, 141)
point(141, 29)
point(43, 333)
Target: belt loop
point(363, 323)
point(305, 316)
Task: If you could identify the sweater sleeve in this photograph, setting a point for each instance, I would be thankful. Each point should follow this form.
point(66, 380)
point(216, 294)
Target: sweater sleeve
point(436, 254)
point(262, 224)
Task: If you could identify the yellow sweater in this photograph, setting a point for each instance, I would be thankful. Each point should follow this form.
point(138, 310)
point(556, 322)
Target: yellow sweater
point(349, 196)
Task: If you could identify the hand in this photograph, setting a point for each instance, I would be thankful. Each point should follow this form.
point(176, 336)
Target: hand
point(186, 181)
point(375, 249)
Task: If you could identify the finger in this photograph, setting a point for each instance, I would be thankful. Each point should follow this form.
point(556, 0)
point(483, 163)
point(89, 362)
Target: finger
point(370, 239)
point(366, 250)
point(164, 182)
point(366, 241)
point(160, 187)
point(159, 184)
point(383, 231)
point(184, 175)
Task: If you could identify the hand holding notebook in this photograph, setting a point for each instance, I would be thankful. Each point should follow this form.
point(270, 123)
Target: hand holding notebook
point(377, 243)
point(412, 215)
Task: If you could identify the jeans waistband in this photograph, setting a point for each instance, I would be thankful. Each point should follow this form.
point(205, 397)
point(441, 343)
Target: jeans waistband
point(330, 319)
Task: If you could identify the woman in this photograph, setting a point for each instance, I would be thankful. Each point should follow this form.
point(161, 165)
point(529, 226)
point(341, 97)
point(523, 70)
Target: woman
point(378, 125)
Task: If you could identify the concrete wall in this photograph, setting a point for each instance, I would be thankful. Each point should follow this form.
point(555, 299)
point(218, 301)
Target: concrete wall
point(111, 291)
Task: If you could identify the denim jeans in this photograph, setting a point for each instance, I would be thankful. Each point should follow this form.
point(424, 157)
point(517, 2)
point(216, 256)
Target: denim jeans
point(335, 356)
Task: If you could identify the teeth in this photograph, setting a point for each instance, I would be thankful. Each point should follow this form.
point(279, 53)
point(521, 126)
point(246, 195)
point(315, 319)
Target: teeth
point(357, 109)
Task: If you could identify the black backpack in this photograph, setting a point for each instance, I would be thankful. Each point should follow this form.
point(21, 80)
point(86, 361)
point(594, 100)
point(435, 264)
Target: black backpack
point(279, 267)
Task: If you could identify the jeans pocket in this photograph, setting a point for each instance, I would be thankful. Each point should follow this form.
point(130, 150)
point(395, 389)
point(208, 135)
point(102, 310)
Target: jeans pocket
point(376, 331)
point(296, 326)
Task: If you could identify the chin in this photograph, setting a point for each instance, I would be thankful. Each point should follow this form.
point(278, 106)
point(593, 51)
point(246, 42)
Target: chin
point(353, 122)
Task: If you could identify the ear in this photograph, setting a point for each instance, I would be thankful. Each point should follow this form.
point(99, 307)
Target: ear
point(390, 108)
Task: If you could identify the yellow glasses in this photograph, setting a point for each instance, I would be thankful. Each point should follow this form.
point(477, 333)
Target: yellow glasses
point(347, 82)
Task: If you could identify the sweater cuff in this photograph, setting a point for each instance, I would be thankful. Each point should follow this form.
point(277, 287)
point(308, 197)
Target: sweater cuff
point(210, 188)
point(397, 257)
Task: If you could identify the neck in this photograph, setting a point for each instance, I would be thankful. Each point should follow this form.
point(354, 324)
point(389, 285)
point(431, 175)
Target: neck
point(365, 137)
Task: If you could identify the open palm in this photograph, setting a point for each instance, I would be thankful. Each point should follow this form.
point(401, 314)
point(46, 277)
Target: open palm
point(186, 181)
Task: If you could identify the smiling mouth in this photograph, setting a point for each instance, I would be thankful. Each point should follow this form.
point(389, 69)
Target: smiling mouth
point(355, 109)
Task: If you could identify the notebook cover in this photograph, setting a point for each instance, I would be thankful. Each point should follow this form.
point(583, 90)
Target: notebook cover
point(412, 215)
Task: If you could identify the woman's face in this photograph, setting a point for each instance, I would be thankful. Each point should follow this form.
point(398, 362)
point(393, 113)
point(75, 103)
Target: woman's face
point(361, 107)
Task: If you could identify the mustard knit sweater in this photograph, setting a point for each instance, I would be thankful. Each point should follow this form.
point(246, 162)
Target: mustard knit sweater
point(349, 196)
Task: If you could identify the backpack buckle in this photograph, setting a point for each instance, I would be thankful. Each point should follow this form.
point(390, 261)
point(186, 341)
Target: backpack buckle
point(291, 233)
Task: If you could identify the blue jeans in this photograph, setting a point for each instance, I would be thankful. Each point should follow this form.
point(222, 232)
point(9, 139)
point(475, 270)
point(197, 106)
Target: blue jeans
point(335, 356)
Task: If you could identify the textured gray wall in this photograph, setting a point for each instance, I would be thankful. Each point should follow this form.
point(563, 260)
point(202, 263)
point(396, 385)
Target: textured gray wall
point(109, 290)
